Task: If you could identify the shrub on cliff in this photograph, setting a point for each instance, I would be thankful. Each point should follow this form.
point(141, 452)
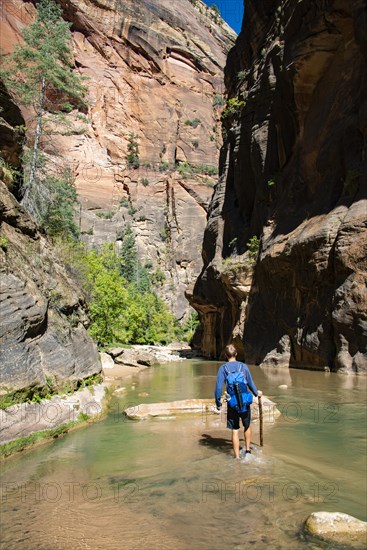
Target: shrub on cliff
point(132, 156)
point(233, 107)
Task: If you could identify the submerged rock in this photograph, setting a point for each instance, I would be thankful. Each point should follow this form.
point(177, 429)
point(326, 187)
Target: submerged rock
point(338, 528)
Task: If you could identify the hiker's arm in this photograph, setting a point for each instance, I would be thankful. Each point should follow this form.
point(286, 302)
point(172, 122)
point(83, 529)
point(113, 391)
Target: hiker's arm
point(218, 388)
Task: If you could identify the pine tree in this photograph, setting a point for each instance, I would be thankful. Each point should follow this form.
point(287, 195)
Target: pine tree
point(128, 255)
point(59, 215)
point(39, 73)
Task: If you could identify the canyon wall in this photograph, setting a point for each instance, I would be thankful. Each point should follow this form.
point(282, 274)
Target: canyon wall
point(155, 70)
point(293, 174)
point(43, 315)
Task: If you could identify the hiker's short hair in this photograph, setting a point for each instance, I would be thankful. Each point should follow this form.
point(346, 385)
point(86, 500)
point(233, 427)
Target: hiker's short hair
point(230, 351)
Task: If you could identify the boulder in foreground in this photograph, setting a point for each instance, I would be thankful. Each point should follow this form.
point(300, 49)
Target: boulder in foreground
point(337, 528)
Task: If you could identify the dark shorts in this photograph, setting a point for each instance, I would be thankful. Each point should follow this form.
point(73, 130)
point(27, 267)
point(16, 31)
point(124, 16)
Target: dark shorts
point(233, 418)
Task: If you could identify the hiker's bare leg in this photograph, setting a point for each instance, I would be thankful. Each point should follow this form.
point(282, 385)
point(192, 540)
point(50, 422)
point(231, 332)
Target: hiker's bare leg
point(247, 434)
point(236, 443)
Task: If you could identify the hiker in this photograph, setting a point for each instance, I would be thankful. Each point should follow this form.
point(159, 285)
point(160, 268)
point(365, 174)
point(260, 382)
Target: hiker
point(233, 416)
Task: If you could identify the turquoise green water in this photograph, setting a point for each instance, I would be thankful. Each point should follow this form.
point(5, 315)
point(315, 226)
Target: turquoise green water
point(173, 484)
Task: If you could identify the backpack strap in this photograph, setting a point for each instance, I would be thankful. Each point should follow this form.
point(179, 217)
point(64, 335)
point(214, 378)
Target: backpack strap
point(243, 372)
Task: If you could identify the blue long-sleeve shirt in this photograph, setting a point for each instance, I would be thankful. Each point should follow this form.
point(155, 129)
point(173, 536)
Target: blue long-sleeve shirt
point(232, 366)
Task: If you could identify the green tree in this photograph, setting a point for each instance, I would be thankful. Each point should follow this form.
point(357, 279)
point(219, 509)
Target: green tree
point(188, 328)
point(109, 300)
point(107, 290)
point(39, 73)
point(128, 254)
point(59, 217)
point(120, 311)
point(131, 267)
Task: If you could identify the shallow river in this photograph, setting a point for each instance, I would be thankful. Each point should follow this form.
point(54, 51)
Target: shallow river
point(172, 483)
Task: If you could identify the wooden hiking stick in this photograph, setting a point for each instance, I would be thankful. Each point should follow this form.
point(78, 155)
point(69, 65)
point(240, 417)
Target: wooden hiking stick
point(261, 421)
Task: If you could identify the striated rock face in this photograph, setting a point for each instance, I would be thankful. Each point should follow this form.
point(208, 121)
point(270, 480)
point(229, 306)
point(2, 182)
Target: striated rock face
point(42, 311)
point(294, 174)
point(154, 69)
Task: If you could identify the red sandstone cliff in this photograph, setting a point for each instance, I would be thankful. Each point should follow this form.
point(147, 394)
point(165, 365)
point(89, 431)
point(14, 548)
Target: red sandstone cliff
point(293, 173)
point(154, 69)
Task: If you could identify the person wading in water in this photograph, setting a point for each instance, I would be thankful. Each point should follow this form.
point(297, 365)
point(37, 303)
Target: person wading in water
point(233, 415)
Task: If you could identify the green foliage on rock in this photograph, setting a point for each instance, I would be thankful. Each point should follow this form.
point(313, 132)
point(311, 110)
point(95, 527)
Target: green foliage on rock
point(132, 156)
point(164, 166)
point(241, 75)
point(253, 247)
point(44, 75)
point(44, 79)
point(218, 101)
point(3, 242)
point(185, 168)
point(194, 123)
point(233, 107)
point(124, 202)
point(22, 443)
point(7, 173)
point(105, 215)
point(51, 387)
point(128, 254)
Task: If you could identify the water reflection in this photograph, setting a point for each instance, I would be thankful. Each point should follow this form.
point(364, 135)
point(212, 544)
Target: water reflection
point(277, 377)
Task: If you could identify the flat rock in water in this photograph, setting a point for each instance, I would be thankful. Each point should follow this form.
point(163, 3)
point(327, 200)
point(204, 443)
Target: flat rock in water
point(337, 528)
point(195, 406)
